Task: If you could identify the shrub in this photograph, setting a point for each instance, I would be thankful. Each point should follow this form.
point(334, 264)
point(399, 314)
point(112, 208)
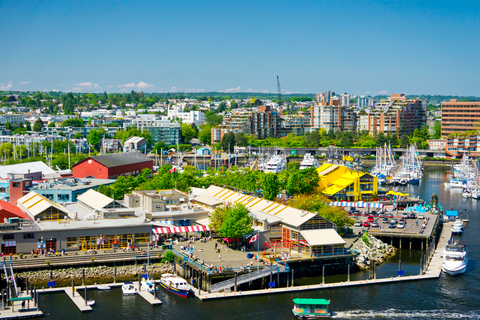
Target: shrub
point(47, 262)
point(20, 255)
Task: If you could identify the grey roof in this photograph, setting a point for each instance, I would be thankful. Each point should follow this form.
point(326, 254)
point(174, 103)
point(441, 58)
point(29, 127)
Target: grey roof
point(36, 166)
point(121, 159)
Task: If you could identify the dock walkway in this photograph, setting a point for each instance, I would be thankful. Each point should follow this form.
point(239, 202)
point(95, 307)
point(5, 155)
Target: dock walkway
point(77, 299)
point(149, 297)
point(433, 271)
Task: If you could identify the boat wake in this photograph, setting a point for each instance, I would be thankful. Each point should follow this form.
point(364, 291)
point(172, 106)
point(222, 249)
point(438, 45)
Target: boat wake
point(401, 314)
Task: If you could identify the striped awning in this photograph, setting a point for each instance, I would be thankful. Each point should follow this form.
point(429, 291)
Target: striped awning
point(356, 204)
point(160, 230)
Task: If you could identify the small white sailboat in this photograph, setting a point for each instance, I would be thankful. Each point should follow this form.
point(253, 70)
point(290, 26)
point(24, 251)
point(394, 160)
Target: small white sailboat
point(148, 285)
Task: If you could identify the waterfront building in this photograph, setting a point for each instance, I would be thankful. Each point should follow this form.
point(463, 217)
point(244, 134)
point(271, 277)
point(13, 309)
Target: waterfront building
point(437, 144)
point(342, 183)
point(135, 144)
point(111, 166)
point(456, 147)
point(397, 115)
point(34, 170)
point(28, 139)
point(10, 212)
point(459, 116)
point(278, 224)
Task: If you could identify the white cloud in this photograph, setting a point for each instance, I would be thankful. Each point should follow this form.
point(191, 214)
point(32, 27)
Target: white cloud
point(139, 86)
point(290, 92)
point(174, 89)
point(257, 90)
point(194, 90)
point(7, 87)
point(24, 82)
point(237, 89)
point(382, 92)
point(87, 84)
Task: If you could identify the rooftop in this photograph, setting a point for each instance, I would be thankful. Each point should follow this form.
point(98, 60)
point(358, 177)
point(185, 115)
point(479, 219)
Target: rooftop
point(119, 159)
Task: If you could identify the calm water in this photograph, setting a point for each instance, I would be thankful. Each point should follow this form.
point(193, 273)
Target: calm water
point(444, 298)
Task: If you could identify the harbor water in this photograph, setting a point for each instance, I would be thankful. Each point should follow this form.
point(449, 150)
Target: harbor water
point(444, 298)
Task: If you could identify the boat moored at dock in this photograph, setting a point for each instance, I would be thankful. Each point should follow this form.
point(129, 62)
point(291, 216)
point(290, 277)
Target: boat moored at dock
point(455, 257)
point(175, 284)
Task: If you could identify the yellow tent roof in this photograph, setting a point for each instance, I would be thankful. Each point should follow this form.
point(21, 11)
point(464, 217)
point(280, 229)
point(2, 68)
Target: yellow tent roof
point(398, 193)
point(343, 182)
point(333, 190)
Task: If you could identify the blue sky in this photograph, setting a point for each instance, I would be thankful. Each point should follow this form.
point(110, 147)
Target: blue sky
point(360, 47)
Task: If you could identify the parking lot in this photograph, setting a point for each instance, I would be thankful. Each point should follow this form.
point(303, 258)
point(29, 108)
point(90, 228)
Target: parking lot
point(393, 222)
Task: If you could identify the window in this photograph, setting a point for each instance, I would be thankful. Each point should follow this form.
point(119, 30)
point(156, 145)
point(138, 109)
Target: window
point(142, 237)
point(72, 242)
point(28, 235)
point(16, 184)
point(8, 236)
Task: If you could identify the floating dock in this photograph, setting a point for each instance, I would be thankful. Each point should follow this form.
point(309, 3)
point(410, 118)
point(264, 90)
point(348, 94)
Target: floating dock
point(77, 299)
point(149, 297)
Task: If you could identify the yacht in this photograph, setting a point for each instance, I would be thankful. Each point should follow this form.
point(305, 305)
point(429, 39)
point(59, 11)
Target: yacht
point(455, 183)
point(457, 230)
point(455, 257)
point(175, 284)
point(128, 288)
point(276, 164)
point(308, 162)
point(466, 193)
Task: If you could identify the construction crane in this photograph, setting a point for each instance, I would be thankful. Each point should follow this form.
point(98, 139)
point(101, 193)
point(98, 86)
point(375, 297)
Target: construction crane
point(280, 101)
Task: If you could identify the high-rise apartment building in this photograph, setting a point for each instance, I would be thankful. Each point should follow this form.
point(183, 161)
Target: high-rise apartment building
point(333, 116)
point(458, 116)
point(397, 115)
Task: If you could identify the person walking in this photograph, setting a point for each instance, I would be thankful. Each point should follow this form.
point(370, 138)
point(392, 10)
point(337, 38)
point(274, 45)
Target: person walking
point(220, 257)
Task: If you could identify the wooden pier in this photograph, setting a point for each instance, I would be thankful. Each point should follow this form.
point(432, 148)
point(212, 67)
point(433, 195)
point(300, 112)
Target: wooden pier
point(149, 297)
point(433, 270)
point(77, 299)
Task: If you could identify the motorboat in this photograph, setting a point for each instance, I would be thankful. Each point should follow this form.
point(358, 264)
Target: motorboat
point(457, 230)
point(175, 284)
point(276, 164)
point(148, 285)
point(455, 257)
point(308, 162)
point(459, 223)
point(128, 288)
point(91, 303)
point(103, 287)
point(466, 194)
point(311, 308)
point(455, 183)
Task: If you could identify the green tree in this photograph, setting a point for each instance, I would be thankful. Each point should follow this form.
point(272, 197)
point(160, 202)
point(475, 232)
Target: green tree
point(228, 141)
point(95, 136)
point(241, 139)
point(72, 123)
point(213, 119)
point(51, 125)
point(205, 134)
point(302, 181)
point(233, 104)
point(437, 128)
point(347, 139)
point(38, 125)
point(404, 141)
point(188, 132)
point(270, 186)
point(232, 221)
point(78, 135)
point(8, 126)
point(28, 127)
point(68, 107)
point(381, 139)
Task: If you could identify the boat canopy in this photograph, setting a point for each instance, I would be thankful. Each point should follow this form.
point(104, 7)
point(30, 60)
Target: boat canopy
point(311, 301)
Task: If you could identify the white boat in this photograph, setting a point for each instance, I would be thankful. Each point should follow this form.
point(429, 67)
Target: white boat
point(308, 162)
point(466, 193)
point(276, 164)
point(455, 257)
point(175, 284)
point(459, 223)
point(90, 303)
point(148, 285)
point(103, 287)
point(457, 230)
point(455, 183)
point(128, 288)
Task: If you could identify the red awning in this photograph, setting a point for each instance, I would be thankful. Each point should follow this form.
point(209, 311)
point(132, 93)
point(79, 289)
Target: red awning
point(199, 228)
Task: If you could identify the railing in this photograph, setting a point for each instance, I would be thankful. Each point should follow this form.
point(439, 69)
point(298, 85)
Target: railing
point(334, 254)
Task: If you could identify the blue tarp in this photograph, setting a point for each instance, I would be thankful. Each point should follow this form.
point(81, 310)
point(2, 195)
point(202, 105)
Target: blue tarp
point(451, 213)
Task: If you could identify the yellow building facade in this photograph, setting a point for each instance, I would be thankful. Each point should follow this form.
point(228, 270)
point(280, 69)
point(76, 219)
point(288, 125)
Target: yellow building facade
point(342, 183)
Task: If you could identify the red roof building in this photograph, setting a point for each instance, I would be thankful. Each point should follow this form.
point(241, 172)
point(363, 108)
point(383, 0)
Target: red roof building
point(111, 166)
point(8, 210)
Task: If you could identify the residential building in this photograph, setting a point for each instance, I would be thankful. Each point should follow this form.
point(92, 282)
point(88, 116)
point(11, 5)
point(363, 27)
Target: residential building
point(297, 124)
point(237, 121)
point(333, 117)
point(192, 117)
point(437, 144)
point(459, 116)
point(14, 119)
point(325, 96)
point(398, 115)
point(135, 144)
point(166, 131)
point(111, 145)
point(111, 166)
point(456, 147)
point(266, 123)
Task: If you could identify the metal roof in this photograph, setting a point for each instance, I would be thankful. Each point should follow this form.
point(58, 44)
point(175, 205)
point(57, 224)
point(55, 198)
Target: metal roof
point(36, 166)
point(322, 237)
point(119, 159)
point(34, 204)
point(94, 199)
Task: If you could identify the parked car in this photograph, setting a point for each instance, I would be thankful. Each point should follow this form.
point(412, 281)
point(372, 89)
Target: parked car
point(402, 220)
point(412, 216)
point(421, 216)
point(405, 215)
point(375, 225)
point(401, 226)
point(371, 218)
point(386, 220)
point(394, 221)
point(366, 224)
point(392, 225)
point(389, 215)
point(358, 223)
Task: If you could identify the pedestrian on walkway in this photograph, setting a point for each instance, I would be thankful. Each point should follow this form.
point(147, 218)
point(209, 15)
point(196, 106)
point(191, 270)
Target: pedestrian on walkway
point(216, 245)
point(220, 257)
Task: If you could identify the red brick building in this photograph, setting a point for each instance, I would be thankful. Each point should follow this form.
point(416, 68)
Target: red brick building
point(111, 166)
